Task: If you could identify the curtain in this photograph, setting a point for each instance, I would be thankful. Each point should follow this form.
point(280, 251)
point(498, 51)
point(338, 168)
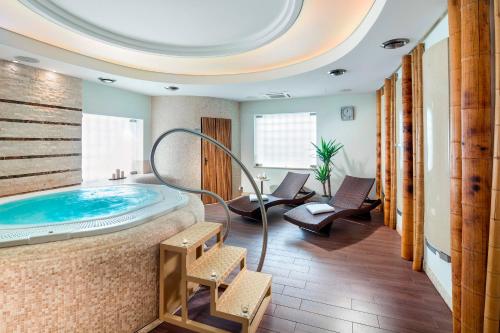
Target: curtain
point(492, 302)
point(394, 176)
point(388, 145)
point(455, 159)
point(407, 207)
point(418, 158)
point(378, 178)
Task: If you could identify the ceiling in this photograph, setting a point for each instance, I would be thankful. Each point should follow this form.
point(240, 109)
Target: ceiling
point(234, 49)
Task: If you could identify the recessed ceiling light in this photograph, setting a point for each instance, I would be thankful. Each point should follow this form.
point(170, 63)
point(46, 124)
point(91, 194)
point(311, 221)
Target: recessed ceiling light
point(395, 43)
point(15, 61)
point(106, 80)
point(172, 88)
point(337, 72)
point(26, 59)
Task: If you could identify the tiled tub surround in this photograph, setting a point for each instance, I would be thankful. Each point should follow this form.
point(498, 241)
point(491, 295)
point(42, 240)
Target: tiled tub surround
point(106, 283)
point(40, 129)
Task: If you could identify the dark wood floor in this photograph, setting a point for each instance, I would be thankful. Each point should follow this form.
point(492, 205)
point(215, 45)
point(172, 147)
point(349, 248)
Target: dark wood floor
point(353, 281)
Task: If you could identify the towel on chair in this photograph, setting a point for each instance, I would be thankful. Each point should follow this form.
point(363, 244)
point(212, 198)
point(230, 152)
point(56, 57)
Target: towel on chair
point(319, 208)
point(253, 197)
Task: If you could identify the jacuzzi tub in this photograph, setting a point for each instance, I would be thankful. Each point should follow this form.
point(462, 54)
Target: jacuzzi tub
point(107, 282)
point(83, 212)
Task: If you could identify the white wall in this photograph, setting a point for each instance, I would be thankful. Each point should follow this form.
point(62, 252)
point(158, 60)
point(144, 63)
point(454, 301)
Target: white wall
point(179, 157)
point(437, 165)
point(109, 101)
point(358, 136)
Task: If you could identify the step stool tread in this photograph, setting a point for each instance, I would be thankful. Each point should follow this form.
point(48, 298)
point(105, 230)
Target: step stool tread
point(248, 289)
point(222, 260)
point(195, 235)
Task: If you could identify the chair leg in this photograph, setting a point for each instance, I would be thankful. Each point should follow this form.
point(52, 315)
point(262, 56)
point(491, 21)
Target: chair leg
point(324, 231)
point(364, 216)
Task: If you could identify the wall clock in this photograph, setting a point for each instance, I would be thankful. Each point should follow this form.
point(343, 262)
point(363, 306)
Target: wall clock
point(347, 112)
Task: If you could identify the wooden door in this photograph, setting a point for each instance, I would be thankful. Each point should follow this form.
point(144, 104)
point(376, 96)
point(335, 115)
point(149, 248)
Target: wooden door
point(216, 170)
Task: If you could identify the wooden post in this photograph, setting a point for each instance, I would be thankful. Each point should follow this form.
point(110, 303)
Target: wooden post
point(476, 158)
point(388, 133)
point(455, 160)
point(392, 221)
point(492, 302)
point(407, 207)
point(418, 167)
point(379, 143)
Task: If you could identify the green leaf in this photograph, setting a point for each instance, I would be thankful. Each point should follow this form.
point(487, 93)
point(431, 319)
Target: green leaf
point(326, 150)
point(322, 172)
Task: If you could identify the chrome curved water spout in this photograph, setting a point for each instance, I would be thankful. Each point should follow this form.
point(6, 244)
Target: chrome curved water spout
point(214, 195)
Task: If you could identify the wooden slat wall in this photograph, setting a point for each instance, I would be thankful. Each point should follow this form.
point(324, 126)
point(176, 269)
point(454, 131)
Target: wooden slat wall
point(476, 158)
point(378, 178)
point(418, 158)
point(217, 170)
point(387, 162)
point(208, 159)
point(455, 159)
point(407, 207)
point(224, 165)
point(492, 303)
point(40, 129)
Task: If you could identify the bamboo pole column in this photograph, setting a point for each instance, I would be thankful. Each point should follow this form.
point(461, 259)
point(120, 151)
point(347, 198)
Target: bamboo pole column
point(455, 160)
point(418, 156)
point(492, 302)
point(379, 143)
point(476, 159)
point(407, 207)
point(392, 221)
point(387, 138)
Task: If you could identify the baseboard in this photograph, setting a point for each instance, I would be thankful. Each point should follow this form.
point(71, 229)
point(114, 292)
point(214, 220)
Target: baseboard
point(442, 290)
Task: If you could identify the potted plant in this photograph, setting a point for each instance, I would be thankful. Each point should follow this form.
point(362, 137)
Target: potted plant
point(325, 151)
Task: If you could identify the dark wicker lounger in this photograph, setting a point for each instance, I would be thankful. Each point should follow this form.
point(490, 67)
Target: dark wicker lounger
point(289, 192)
point(350, 199)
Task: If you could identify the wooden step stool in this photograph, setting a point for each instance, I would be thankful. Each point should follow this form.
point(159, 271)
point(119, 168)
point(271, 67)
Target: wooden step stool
point(185, 266)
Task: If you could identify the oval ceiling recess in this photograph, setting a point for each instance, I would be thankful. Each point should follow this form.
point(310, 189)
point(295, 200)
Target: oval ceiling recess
point(175, 28)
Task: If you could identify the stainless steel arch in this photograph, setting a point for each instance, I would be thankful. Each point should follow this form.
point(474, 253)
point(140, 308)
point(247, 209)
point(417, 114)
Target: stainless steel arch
point(214, 195)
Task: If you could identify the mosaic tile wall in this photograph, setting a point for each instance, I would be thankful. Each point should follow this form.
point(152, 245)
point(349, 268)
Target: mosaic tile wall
point(40, 129)
point(106, 283)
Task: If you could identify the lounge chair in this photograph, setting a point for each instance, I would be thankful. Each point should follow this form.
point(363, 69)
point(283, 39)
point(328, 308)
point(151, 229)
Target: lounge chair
point(350, 199)
point(289, 192)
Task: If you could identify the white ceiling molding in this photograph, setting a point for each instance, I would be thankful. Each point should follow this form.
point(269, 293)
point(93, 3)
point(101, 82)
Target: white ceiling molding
point(367, 63)
point(325, 29)
point(259, 31)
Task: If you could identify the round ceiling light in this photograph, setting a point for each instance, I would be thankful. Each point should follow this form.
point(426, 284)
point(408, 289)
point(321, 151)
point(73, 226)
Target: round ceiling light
point(395, 43)
point(337, 72)
point(106, 80)
point(29, 60)
point(172, 88)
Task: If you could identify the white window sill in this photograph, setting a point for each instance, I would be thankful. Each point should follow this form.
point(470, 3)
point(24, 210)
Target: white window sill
point(283, 167)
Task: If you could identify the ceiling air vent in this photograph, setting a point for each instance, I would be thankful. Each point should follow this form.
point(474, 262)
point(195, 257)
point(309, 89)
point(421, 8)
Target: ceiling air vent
point(278, 95)
point(29, 60)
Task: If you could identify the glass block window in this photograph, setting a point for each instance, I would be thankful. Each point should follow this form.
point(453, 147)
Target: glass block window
point(285, 140)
